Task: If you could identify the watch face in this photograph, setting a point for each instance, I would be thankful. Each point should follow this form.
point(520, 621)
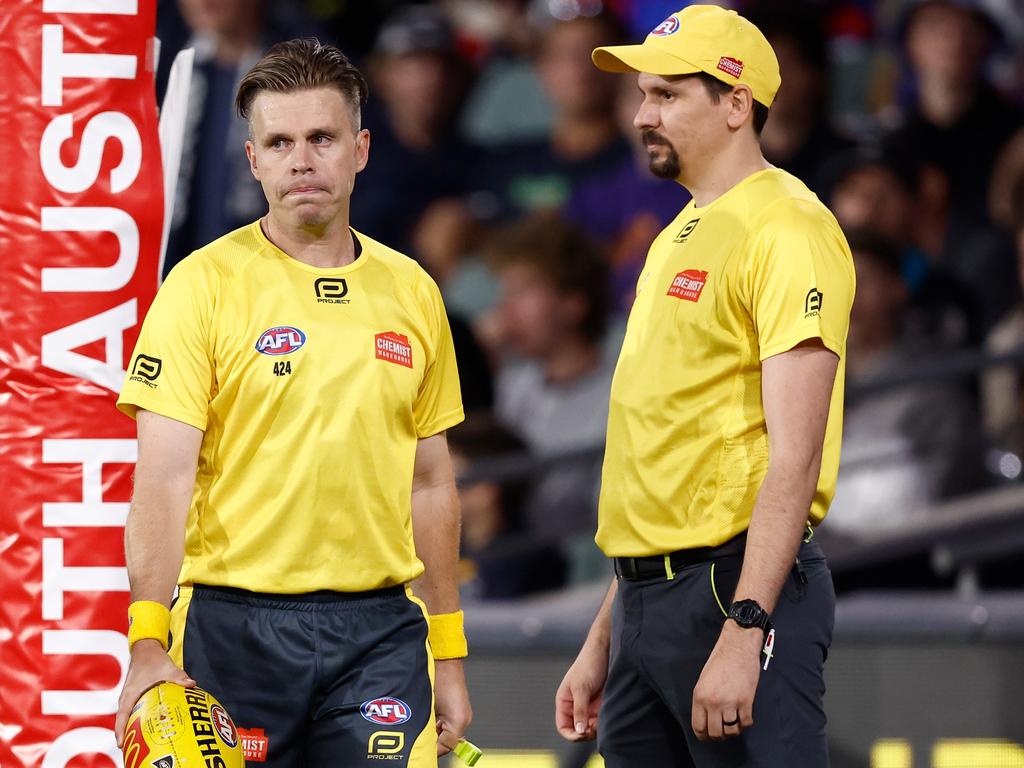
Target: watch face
point(747, 613)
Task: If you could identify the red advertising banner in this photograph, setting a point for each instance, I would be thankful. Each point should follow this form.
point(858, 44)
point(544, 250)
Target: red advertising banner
point(81, 210)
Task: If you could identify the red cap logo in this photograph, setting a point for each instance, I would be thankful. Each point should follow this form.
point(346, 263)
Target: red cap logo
point(731, 66)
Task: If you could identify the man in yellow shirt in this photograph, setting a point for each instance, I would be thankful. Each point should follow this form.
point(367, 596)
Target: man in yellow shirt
point(292, 384)
point(723, 433)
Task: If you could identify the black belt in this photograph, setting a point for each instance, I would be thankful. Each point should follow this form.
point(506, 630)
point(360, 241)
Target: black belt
point(666, 566)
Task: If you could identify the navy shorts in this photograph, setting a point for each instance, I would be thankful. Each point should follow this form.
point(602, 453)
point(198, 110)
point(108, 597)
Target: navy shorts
point(322, 679)
point(662, 634)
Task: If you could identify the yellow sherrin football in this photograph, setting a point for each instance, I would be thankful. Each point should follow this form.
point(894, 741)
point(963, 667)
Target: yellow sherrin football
point(175, 727)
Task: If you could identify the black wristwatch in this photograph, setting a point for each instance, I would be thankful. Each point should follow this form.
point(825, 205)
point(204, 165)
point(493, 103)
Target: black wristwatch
point(747, 613)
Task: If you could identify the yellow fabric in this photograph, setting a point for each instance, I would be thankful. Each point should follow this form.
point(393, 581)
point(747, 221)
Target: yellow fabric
point(148, 620)
point(702, 38)
point(447, 636)
point(751, 275)
point(179, 617)
point(424, 748)
point(305, 471)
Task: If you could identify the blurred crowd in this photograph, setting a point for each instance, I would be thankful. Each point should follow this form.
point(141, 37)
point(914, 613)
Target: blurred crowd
point(507, 165)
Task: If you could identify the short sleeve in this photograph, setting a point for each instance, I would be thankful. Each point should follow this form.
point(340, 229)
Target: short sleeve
point(800, 280)
point(438, 404)
point(171, 369)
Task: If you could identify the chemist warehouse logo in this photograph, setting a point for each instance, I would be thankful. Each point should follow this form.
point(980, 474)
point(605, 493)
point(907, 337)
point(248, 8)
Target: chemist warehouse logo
point(146, 370)
point(395, 348)
point(688, 284)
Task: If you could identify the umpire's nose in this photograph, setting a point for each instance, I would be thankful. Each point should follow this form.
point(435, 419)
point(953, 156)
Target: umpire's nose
point(301, 158)
point(647, 115)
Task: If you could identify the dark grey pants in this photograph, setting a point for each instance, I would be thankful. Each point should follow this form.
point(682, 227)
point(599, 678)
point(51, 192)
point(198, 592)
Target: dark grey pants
point(324, 679)
point(662, 634)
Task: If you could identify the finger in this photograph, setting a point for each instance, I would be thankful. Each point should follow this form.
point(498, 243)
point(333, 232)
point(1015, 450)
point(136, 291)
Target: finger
point(732, 726)
point(563, 714)
point(699, 721)
point(447, 740)
point(119, 724)
point(746, 715)
point(580, 708)
point(714, 723)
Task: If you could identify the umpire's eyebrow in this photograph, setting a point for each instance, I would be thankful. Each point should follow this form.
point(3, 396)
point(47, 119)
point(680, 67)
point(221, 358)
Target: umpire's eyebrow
point(280, 136)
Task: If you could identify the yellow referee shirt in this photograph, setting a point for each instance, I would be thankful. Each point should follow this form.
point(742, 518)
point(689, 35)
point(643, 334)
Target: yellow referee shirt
point(752, 274)
point(312, 387)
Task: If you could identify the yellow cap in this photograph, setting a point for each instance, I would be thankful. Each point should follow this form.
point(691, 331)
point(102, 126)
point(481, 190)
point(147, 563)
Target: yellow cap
point(702, 38)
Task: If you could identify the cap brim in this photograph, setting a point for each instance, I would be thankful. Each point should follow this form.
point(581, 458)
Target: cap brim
point(640, 58)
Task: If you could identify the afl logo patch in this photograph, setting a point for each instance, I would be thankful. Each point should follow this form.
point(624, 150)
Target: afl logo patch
point(280, 340)
point(668, 27)
point(225, 728)
point(385, 711)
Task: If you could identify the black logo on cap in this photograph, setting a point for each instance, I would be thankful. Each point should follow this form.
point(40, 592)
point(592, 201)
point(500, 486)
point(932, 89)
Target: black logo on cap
point(331, 290)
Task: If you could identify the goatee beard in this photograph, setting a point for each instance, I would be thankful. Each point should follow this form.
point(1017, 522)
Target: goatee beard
point(667, 167)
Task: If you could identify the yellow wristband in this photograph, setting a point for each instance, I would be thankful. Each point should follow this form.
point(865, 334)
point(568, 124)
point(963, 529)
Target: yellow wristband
point(148, 620)
point(447, 637)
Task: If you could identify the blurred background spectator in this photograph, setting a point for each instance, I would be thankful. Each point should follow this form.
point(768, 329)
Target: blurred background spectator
point(626, 206)
point(903, 448)
point(799, 136)
point(418, 81)
point(584, 137)
point(501, 557)
point(508, 165)
point(886, 194)
point(956, 122)
point(1003, 390)
point(554, 367)
point(216, 192)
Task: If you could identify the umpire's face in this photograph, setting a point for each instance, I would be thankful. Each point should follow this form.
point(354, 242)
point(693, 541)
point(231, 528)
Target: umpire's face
point(305, 151)
point(680, 124)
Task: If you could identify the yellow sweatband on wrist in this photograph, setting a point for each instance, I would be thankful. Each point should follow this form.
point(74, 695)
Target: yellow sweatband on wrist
point(446, 636)
point(148, 620)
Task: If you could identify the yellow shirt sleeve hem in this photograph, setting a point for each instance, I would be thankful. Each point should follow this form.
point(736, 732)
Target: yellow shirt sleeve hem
point(784, 346)
point(131, 408)
point(441, 423)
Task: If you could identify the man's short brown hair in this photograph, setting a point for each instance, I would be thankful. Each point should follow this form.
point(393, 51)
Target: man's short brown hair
point(299, 65)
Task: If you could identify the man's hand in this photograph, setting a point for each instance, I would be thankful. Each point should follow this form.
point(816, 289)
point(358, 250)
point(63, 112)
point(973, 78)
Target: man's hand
point(725, 692)
point(149, 666)
point(451, 704)
point(578, 699)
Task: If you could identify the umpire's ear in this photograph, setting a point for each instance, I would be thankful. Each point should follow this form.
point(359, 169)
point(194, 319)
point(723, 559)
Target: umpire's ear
point(250, 153)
